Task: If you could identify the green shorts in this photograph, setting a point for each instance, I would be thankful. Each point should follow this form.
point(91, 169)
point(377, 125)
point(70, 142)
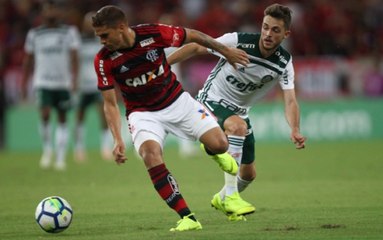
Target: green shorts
point(87, 99)
point(222, 113)
point(58, 99)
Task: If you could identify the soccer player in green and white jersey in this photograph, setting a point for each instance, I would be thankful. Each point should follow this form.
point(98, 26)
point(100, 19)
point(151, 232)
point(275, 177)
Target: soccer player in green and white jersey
point(51, 53)
point(230, 93)
point(89, 93)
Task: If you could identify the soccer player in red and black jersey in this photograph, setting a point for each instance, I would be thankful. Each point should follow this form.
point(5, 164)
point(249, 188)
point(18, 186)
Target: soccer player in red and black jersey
point(133, 60)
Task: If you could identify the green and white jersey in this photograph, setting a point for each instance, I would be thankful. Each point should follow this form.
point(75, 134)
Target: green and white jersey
point(88, 78)
point(51, 48)
point(240, 89)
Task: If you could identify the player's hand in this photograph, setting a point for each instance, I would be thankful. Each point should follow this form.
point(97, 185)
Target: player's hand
point(298, 140)
point(237, 56)
point(119, 153)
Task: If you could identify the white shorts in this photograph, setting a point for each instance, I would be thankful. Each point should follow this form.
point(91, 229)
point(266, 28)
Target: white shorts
point(185, 118)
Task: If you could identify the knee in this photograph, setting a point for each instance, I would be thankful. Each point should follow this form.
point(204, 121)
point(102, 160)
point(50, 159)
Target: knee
point(235, 126)
point(248, 174)
point(151, 155)
point(215, 141)
point(252, 176)
point(249, 177)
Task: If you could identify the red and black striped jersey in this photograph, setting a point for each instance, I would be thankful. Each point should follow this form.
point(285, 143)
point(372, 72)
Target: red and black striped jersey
point(142, 71)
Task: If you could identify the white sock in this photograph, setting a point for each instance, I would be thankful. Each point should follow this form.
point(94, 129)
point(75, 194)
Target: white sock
point(235, 150)
point(242, 184)
point(45, 133)
point(80, 133)
point(230, 186)
point(61, 142)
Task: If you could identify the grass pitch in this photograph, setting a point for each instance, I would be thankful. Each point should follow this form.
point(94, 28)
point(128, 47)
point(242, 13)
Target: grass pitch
point(327, 191)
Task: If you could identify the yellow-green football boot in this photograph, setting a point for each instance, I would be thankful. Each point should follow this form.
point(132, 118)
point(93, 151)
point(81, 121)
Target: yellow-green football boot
point(225, 161)
point(217, 203)
point(246, 208)
point(234, 204)
point(236, 218)
point(186, 224)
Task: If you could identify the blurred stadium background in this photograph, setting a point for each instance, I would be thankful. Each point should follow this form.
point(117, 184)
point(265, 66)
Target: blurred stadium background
point(337, 49)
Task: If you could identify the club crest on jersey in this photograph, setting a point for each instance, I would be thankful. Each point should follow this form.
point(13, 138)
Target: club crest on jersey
point(152, 55)
point(204, 113)
point(266, 79)
point(146, 42)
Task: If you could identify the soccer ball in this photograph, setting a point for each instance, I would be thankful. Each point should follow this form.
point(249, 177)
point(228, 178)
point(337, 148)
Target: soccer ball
point(53, 214)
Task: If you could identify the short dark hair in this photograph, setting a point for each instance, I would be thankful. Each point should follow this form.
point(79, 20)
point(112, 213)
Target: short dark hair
point(109, 16)
point(280, 12)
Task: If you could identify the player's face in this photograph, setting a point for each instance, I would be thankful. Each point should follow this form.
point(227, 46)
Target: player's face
point(111, 38)
point(50, 13)
point(273, 33)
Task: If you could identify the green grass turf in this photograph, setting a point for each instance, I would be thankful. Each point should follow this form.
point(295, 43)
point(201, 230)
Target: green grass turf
point(327, 191)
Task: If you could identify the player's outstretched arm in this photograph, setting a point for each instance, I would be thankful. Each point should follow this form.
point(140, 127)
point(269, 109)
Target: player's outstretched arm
point(112, 115)
point(233, 55)
point(185, 52)
point(293, 116)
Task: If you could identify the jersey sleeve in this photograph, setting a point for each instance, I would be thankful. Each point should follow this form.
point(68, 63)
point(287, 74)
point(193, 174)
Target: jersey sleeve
point(172, 36)
point(75, 39)
point(287, 79)
point(29, 42)
point(228, 39)
point(105, 78)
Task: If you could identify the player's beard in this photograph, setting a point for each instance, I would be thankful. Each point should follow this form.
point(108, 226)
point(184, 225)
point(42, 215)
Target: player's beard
point(111, 46)
point(268, 45)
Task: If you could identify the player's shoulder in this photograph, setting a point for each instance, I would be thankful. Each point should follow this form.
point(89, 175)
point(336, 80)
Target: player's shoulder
point(145, 28)
point(69, 29)
point(38, 29)
point(65, 26)
point(107, 55)
point(103, 54)
point(281, 57)
point(152, 28)
point(281, 51)
point(247, 37)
